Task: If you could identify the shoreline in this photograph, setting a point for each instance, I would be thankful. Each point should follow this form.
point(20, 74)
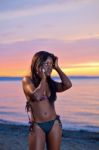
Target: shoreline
point(15, 137)
point(69, 127)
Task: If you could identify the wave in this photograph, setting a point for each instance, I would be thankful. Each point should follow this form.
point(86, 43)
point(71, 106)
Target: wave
point(67, 126)
point(2, 121)
point(80, 127)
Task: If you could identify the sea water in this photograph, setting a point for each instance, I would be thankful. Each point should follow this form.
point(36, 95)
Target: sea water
point(78, 106)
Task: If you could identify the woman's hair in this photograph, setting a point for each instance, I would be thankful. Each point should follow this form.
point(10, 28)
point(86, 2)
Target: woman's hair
point(38, 59)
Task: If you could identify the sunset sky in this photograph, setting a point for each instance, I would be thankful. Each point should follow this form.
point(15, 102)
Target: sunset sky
point(67, 28)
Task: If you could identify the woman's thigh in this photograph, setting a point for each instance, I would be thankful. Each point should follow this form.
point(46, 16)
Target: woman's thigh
point(54, 137)
point(36, 139)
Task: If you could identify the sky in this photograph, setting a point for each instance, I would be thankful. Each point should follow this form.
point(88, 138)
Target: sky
point(67, 28)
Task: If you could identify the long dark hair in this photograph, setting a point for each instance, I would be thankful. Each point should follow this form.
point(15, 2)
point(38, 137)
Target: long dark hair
point(37, 60)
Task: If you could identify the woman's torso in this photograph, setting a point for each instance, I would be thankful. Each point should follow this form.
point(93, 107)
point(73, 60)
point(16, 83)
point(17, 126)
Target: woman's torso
point(42, 110)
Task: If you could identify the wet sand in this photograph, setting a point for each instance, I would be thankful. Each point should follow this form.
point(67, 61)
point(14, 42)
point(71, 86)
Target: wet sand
point(15, 137)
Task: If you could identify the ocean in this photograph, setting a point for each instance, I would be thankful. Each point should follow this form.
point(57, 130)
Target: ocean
point(78, 107)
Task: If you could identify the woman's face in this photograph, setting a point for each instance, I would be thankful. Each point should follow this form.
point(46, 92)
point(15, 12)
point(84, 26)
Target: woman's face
point(48, 66)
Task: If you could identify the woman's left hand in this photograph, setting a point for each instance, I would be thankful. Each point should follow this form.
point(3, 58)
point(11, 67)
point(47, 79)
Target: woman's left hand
point(56, 63)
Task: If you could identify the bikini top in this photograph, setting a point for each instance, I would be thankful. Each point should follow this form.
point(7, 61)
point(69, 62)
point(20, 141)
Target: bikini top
point(28, 103)
point(44, 97)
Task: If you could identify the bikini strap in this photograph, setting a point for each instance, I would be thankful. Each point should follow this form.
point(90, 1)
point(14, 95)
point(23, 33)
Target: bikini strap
point(28, 108)
point(58, 118)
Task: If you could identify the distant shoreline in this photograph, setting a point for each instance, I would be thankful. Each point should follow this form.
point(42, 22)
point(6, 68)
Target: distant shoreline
point(8, 78)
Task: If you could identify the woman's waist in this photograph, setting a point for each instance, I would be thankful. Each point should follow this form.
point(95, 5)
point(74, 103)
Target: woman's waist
point(43, 116)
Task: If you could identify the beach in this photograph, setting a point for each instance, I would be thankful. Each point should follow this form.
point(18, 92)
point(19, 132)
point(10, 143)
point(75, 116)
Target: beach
point(15, 137)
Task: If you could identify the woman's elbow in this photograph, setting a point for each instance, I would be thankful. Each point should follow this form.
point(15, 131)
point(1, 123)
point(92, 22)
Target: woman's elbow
point(68, 86)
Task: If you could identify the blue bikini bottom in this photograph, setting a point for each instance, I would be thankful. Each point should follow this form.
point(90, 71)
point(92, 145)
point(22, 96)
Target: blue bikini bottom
point(45, 126)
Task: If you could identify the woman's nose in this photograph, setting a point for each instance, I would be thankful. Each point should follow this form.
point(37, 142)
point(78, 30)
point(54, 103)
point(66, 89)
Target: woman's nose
point(50, 66)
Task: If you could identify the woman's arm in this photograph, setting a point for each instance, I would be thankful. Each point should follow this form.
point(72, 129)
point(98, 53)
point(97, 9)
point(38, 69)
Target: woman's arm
point(66, 83)
point(31, 91)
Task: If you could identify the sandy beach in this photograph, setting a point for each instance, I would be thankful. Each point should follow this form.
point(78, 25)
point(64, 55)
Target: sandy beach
point(15, 137)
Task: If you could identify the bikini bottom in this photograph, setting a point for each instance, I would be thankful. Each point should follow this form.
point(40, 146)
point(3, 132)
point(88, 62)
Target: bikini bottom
point(45, 126)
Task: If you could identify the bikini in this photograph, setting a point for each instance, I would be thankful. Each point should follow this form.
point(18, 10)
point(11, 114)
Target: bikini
point(45, 126)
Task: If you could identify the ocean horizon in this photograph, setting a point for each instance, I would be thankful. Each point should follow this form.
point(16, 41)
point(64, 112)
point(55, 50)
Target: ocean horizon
point(2, 78)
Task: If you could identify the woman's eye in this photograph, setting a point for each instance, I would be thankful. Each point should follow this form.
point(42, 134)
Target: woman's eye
point(47, 64)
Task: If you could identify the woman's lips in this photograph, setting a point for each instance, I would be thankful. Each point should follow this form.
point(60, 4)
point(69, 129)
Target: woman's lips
point(49, 71)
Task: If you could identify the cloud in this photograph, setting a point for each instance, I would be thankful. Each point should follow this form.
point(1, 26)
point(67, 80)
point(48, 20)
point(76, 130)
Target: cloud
point(17, 4)
point(11, 5)
point(83, 65)
point(14, 9)
point(75, 54)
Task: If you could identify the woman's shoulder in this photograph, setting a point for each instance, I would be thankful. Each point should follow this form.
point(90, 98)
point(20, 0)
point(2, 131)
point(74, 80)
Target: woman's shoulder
point(26, 79)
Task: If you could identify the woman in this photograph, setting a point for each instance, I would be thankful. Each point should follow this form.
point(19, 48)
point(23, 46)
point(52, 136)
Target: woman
point(40, 90)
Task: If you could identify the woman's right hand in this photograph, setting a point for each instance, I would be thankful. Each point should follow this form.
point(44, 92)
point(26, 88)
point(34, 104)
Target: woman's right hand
point(42, 73)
